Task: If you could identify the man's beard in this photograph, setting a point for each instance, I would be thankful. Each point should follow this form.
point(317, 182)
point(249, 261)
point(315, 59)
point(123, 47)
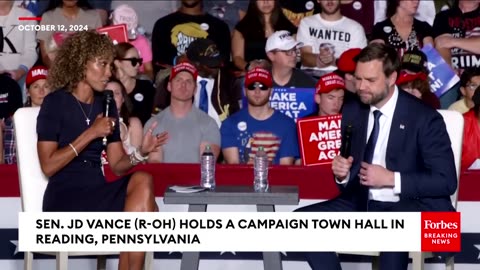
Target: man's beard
point(258, 103)
point(189, 4)
point(375, 98)
point(324, 10)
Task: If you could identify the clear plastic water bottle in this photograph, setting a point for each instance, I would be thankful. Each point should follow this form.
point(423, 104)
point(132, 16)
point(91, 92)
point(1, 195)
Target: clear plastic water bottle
point(207, 165)
point(260, 168)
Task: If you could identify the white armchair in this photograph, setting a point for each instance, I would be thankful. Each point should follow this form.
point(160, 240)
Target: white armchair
point(33, 184)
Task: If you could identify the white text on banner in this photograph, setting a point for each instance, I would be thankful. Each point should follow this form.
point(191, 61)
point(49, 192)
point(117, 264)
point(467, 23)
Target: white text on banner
point(220, 231)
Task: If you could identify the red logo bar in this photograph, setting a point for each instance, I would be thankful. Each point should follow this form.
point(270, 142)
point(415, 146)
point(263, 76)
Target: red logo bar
point(441, 231)
point(30, 18)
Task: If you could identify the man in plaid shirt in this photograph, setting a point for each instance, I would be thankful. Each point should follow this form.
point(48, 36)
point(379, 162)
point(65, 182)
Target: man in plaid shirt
point(10, 101)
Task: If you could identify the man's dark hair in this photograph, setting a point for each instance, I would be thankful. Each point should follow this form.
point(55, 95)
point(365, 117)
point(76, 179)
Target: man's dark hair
point(384, 53)
point(468, 74)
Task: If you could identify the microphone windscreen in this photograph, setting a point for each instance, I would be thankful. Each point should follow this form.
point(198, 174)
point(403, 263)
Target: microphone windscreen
point(108, 95)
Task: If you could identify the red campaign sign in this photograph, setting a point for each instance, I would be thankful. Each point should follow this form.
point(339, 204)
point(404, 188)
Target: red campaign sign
point(117, 33)
point(441, 232)
point(319, 139)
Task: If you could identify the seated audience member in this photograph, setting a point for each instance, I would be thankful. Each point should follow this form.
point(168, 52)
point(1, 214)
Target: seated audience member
point(457, 41)
point(401, 30)
point(414, 61)
point(149, 12)
point(131, 130)
point(217, 94)
point(418, 85)
point(141, 92)
point(10, 101)
point(281, 49)
point(125, 14)
point(321, 49)
point(469, 81)
point(226, 10)
point(40, 6)
point(259, 125)
point(251, 33)
point(35, 81)
point(189, 129)
point(17, 48)
point(330, 91)
point(346, 68)
point(413, 77)
point(173, 33)
point(426, 10)
point(471, 133)
point(75, 16)
point(53, 44)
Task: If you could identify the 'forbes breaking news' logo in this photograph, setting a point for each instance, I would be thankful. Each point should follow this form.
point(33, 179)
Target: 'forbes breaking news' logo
point(441, 231)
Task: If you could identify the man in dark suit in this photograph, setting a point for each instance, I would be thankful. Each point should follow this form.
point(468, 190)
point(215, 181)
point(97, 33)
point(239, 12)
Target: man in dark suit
point(401, 158)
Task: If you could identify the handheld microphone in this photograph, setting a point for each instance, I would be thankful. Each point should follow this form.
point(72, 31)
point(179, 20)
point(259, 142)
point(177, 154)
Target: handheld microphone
point(107, 100)
point(346, 149)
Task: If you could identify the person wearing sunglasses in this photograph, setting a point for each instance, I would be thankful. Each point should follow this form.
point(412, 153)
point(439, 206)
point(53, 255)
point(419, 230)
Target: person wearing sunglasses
point(141, 92)
point(259, 124)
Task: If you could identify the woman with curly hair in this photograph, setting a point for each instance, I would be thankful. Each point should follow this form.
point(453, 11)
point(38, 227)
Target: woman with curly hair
point(70, 128)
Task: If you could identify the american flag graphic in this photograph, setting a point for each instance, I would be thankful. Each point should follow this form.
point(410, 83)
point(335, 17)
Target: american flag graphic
point(269, 141)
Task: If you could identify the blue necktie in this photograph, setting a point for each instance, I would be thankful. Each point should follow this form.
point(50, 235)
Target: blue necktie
point(370, 148)
point(203, 104)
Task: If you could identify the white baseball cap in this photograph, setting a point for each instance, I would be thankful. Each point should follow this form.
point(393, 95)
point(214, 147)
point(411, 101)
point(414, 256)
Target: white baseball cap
point(281, 40)
point(125, 14)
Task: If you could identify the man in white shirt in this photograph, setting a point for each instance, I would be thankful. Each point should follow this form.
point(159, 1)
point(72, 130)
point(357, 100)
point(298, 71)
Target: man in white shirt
point(326, 36)
point(401, 158)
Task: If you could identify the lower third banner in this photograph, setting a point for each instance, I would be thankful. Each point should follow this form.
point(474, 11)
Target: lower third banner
point(222, 231)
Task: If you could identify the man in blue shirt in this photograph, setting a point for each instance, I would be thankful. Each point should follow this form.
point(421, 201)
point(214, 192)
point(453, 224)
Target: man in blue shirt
point(259, 125)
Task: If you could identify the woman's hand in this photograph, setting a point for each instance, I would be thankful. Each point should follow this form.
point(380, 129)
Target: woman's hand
point(150, 142)
point(102, 127)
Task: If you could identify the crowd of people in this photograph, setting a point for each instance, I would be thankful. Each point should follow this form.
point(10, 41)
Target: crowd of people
point(297, 43)
point(203, 74)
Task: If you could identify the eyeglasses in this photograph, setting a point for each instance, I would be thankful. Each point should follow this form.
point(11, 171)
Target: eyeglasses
point(254, 86)
point(133, 60)
point(288, 52)
point(472, 86)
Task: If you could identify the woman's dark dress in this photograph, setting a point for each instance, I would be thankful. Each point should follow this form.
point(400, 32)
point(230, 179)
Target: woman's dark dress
point(80, 185)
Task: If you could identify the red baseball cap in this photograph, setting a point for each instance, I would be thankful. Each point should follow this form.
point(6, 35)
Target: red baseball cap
point(184, 66)
point(36, 73)
point(346, 62)
point(329, 82)
point(260, 75)
point(405, 77)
